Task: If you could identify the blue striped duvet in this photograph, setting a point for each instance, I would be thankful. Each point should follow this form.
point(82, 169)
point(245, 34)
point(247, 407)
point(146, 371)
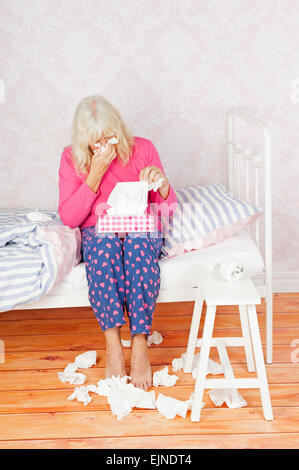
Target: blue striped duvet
point(27, 265)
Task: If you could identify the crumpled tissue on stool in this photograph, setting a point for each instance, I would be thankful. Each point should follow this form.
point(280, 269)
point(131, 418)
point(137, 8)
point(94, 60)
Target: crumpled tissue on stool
point(231, 269)
point(213, 367)
point(230, 396)
point(82, 361)
point(170, 407)
point(154, 338)
point(162, 377)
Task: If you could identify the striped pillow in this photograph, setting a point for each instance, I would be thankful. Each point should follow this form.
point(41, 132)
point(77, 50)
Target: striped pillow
point(205, 215)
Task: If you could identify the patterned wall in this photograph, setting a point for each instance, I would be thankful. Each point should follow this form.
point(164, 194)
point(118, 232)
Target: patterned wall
point(172, 67)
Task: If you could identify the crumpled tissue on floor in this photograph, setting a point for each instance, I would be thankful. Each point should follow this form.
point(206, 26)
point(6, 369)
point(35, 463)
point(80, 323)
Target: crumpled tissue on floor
point(83, 361)
point(170, 407)
point(230, 396)
point(213, 367)
point(162, 377)
point(154, 338)
point(123, 396)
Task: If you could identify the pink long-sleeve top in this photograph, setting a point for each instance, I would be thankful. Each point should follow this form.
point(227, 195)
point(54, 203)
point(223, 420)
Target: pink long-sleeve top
point(77, 201)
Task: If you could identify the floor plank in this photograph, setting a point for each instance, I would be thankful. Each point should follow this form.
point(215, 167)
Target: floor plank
point(145, 422)
point(57, 359)
point(47, 379)
point(33, 401)
point(171, 338)
point(31, 327)
point(227, 441)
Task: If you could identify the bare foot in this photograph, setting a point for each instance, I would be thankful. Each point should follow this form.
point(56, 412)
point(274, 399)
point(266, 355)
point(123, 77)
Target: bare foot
point(115, 364)
point(141, 372)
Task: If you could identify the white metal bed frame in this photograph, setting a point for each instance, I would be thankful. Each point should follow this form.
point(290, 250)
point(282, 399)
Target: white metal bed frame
point(58, 297)
point(259, 163)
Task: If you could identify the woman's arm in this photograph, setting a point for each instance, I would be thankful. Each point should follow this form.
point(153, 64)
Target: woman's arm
point(169, 202)
point(76, 197)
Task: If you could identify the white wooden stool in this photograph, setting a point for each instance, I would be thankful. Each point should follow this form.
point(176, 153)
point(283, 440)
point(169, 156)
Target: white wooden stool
point(215, 291)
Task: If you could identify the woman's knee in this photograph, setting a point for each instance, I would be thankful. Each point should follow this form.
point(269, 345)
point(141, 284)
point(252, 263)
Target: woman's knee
point(102, 247)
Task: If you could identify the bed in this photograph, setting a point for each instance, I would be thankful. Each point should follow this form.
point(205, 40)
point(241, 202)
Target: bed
point(248, 176)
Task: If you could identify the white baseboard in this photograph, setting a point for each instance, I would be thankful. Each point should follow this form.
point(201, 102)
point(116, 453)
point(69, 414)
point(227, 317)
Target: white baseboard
point(285, 282)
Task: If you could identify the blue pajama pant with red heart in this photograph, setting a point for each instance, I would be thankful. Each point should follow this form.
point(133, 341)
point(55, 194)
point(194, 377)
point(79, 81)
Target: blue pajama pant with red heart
point(122, 273)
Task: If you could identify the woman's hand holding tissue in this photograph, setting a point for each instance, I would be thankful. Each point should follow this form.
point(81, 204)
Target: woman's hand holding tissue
point(100, 163)
point(152, 174)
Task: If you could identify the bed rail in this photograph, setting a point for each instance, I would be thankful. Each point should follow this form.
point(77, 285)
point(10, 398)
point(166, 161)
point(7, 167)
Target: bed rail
point(248, 164)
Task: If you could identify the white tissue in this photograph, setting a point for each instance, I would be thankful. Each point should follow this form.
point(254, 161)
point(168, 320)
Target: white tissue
point(86, 360)
point(37, 216)
point(119, 406)
point(230, 396)
point(111, 141)
point(154, 338)
point(162, 377)
point(82, 361)
point(155, 185)
point(104, 386)
point(81, 394)
point(170, 407)
point(213, 367)
point(69, 375)
point(122, 397)
point(128, 198)
point(145, 399)
point(231, 269)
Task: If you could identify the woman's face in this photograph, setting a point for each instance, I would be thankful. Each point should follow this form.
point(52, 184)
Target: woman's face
point(102, 141)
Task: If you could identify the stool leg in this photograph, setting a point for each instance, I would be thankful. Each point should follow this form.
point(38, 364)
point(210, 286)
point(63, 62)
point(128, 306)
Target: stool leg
point(203, 363)
point(269, 325)
point(247, 338)
point(259, 361)
point(193, 335)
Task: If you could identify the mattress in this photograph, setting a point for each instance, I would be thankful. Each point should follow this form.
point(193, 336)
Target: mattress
point(180, 272)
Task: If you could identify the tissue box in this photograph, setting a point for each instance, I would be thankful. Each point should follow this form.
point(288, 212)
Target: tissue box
point(122, 224)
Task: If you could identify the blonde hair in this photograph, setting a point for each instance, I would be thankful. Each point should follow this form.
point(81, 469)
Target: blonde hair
point(94, 117)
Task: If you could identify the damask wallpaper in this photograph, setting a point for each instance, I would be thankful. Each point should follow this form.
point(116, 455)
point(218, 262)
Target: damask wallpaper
point(172, 67)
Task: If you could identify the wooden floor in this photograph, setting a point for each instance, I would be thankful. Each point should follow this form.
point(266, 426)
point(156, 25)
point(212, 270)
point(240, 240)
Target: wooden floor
point(35, 412)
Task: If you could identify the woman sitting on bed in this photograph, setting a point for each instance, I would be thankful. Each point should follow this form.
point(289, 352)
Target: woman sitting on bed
point(122, 273)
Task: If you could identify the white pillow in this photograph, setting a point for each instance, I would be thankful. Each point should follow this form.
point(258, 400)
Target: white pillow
point(205, 215)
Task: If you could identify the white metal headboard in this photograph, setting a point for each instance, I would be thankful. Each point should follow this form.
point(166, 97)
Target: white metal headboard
point(257, 167)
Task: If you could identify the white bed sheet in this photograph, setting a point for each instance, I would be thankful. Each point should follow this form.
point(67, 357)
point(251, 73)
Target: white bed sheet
point(179, 272)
